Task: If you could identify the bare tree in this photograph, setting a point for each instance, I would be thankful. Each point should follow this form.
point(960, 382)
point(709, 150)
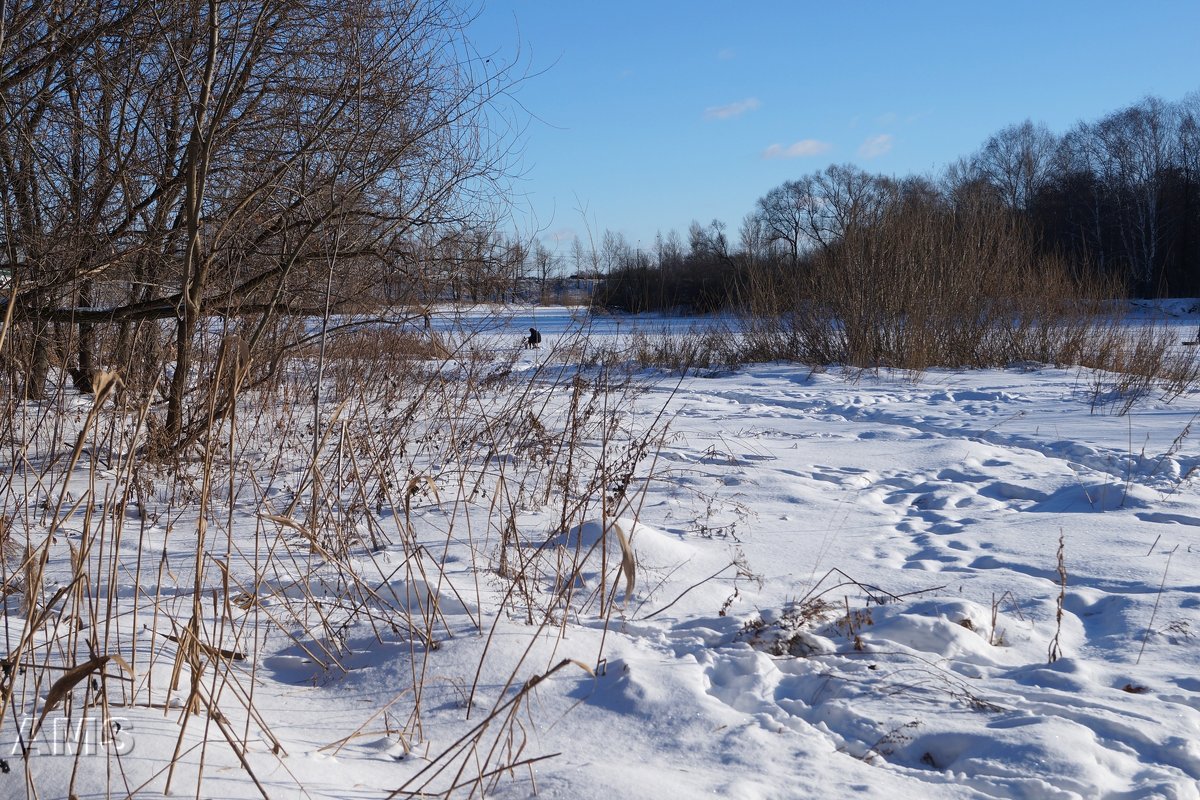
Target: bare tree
point(754, 240)
point(709, 241)
point(615, 251)
point(585, 261)
point(818, 209)
point(56, 155)
point(1126, 155)
point(1188, 157)
point(1018, 161)
point(785, 212)
point(545, 264)
point(192, 156)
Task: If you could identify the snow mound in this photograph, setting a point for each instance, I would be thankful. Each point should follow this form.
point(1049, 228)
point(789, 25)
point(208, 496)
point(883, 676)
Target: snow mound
point(953, 629)
point(581, 556)
point(651, 547)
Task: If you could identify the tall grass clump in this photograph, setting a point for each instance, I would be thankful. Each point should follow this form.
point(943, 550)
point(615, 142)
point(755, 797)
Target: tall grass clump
point(930, 284)
point(416, 500)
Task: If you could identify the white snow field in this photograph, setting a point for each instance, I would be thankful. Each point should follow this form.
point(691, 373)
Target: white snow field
point(976, 584)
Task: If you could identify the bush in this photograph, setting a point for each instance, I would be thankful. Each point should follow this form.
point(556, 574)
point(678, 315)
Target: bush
point(927, 286)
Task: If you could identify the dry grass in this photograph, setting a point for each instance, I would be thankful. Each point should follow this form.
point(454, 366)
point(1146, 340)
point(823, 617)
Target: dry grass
point(314, 528)
point(1131, 365)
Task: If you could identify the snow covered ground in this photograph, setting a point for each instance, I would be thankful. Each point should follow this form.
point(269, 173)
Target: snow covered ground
point(958, 584)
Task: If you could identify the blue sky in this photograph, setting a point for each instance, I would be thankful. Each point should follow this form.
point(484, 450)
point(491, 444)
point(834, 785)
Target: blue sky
point(647, 115)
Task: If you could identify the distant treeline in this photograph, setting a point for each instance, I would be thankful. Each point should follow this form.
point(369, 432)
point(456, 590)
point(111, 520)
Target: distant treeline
point(1117, 201)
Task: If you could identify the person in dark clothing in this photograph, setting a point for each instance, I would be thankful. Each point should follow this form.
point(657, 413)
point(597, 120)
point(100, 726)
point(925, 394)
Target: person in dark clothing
point(533, 340)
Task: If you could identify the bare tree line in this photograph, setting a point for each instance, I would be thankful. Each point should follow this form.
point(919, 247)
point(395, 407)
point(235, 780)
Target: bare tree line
point(1116, 200)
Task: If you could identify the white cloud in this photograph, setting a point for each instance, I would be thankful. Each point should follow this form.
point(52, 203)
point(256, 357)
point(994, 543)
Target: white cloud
point(800, 149)
point(726, 54)
point(562, 235)
point(876, 146)
point(731, 110)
